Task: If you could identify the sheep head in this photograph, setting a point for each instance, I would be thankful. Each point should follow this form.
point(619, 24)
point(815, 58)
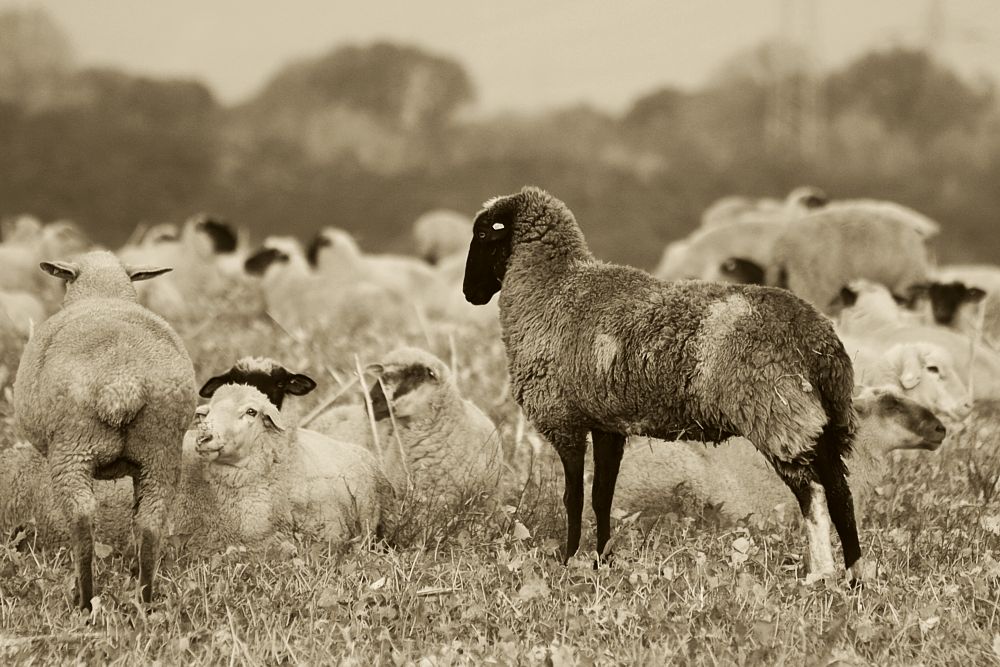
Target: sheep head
point(232, 425)
point(927, 375)
point(100, 274)
point(899, 422)
point(415, 382)
point(946, 298)
point(490, 249)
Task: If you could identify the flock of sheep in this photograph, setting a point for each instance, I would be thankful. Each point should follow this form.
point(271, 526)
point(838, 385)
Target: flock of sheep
point(842, 343)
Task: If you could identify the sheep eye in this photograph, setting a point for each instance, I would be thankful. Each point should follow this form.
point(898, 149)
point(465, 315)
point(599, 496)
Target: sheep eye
point(933, 369)
point(431, 374)
point(481, 235)
point(251, 412)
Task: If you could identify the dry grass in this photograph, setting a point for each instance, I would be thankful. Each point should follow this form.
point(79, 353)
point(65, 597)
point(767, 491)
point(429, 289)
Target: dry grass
point(470, 585)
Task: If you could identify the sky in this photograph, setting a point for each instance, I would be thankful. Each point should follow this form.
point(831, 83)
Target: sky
point(522, 55)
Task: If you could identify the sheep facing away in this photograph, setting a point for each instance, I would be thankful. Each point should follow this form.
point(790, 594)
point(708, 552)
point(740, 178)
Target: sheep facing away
point(735, 476)
point(268, 475)
point(429, 435)
point(610, 349)
point(106, 389)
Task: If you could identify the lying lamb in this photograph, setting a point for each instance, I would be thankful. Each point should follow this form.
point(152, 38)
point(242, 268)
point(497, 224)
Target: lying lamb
point(735, 475)
point(428, 434)
point(267, 477)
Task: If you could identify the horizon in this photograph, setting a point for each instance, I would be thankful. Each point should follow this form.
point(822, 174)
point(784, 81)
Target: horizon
point(643, 46)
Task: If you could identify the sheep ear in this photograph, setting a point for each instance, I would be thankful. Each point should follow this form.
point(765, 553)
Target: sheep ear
point(67, 271)
point(209, 388)
point(974, 295)
point(136, 273)
point(300, 385)
point(916, 291)
point(272, 419)
point(847, 297)
point(910, 366)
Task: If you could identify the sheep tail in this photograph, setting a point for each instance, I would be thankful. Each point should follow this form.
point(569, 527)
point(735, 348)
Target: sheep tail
point(118, 402)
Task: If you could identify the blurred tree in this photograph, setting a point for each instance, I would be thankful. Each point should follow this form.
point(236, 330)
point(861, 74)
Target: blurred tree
point(908, 91)
point(35, 58)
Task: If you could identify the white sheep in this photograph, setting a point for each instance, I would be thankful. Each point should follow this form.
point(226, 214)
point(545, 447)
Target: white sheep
point(441, 233)
point(106, 389)
point(738, 209)
point(826, 250)
point(703, 254)
point(736, 476)
point(299, 297)
point(874, 325)
point(920, 371)
point(428, 434)
point(268, 475)
point(25, 310)
point(336, 255)
point(207, 259)
point(610, 350)
point(964, 298)
point(33, 243)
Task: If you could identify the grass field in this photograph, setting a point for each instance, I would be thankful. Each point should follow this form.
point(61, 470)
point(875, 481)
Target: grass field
point(487, 587)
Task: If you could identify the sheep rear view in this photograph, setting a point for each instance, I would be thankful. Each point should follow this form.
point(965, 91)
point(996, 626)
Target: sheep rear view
point(106, 389)
point(611, 350)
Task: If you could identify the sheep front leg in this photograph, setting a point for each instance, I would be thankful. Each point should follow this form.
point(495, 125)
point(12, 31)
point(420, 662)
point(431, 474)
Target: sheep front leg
point(571, 451)
point(608, 448)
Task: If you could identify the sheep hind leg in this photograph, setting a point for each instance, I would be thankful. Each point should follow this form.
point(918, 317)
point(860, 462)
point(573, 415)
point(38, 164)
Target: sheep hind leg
point(150, 518)
point(812, 503)
point(608, 448)
point(833, 476)
point(74, 489)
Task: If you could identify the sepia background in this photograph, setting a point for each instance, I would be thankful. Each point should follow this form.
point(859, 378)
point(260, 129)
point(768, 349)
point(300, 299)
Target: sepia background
point(295, 115)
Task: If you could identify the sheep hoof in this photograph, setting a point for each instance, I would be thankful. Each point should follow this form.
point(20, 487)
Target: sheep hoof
point(862, 571)
point(606, 560)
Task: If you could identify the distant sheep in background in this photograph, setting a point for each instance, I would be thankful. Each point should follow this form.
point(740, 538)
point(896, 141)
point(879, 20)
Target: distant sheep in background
point(31, 243)
point(736, 209)
point(207, 259)
point(299, 297)
point(703, 254)
point(441, 233)
point(824, 251)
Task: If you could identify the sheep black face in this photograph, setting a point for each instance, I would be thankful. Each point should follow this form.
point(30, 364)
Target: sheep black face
point(739, 270)
point(275, 383)
point(489, 251)
point(410, 387)
point(318, 243)
point(223, 237)
point(258, 263)
point(947, 298)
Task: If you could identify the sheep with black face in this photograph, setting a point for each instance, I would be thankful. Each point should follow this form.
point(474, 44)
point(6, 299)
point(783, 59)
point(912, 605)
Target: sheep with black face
point(266, 375)
point(611, 350)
